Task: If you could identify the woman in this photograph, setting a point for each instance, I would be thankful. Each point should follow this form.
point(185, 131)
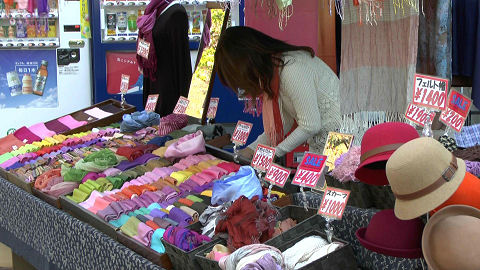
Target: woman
point(294, 85)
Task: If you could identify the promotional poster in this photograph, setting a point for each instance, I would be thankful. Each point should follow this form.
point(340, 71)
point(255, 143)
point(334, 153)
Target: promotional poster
point(28, 79)
point(119, 63)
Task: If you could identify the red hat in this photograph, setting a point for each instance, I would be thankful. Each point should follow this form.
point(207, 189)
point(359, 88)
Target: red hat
point(378, 144)
point(388, 235)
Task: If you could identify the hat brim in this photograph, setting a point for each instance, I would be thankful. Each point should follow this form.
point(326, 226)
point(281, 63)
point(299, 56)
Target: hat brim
point(394, 252)
point(410, 209)
point(449, 211)
point(376, 177)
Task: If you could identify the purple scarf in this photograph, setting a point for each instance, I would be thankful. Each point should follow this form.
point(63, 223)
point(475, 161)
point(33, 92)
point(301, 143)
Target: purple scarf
point(145, 25)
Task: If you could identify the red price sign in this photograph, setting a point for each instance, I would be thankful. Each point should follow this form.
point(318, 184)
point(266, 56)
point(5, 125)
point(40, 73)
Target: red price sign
point(151, 103)
point(143, 48)
point(242, 130)
point(212, 108)
point(310, 170)
point(452, 119)
point(430, 92)
point(333, 203)
point(181, 106)
point(417, 114)
point(263, 158)
point(124, 83)
point(277, 175)
point(459, 103)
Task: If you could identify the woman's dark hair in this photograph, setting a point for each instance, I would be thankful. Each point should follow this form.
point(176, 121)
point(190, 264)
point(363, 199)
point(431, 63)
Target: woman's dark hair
point(246, 58)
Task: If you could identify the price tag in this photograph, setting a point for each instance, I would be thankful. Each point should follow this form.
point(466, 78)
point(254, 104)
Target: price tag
point(181, 106)
point(212, 108)
point(417, 114)
point(263, 158)
point(430, 92)
point(151, 103)
point(457, 110)
point(143, 48)
point(242, 130)
point(277, 175)
point(309, 171)
point(333, 203)
point(124, 83)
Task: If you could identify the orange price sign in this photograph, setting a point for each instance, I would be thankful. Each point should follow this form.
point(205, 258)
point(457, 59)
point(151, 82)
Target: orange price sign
point(263, 158)
point(181, 106)
point(242, 130)
point(212, 108)
point(333, 203)
point(417, 114)
point(124, 83)
point(143, 48)
point(277, 175)
point(151, 103)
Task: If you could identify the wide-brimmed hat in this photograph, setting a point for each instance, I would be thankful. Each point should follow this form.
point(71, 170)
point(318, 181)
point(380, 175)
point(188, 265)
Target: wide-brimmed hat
point(423, 175)
point(378, 144)
point(450, 239)
point(388, 235)
point(468, 193)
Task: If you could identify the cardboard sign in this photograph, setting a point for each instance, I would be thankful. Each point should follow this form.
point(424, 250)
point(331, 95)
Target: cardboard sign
point(263, 158)
point(418, 115)
point(242, 130)
point(124, 83)
point(310, 170)
point(143, 48)
point(181, 106)
point(212, 108)
point(430, 92)
point(336, 145)
point(277, 175)
point(151, 103)
point(333, 203)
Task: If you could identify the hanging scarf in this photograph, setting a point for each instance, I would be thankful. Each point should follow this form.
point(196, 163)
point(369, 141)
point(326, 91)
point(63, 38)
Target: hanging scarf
point(272, 119)
point(145, 25)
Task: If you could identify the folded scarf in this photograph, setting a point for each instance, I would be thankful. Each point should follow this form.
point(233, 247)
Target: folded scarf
point(98, 161)
point(184, 239)
point(25, 135)
point(160, 141)
point(138, 120)
point(41, 130)
point(62, 188)
point(156, 243)
point(171, 123)
point(9, 143)
point(70, 122)
point(308, 250)
point(188, 145)
point(180, 216)
point(243, 183)
point(126, 165)
point(242, 256)
point(56, 126)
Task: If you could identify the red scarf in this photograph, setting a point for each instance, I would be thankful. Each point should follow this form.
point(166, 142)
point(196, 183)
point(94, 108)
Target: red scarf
point(272, 119)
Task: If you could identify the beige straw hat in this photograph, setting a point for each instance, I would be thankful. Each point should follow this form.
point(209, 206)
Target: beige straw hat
point(422, 174)
point(451, 237)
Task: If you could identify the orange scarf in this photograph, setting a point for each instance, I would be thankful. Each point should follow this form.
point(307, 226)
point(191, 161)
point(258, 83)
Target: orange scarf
point(272, 119)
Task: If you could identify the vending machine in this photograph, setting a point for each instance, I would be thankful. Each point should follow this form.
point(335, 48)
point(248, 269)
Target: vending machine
point(114, 40)
point(45, 69)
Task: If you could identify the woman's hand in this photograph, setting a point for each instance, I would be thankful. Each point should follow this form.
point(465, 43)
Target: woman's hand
point(246, 153)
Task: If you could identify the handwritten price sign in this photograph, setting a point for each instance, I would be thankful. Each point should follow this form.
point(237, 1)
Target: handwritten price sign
point(242, 130)
point(181, 106)
point(277, 175)
point(457, 110)
point(124, 83)
point(310, 170)
point(143, 48)
point(333, 203)
point(212, 108)
point(151, 103)
point(430, 92)
point(263, 158)
point(417, 114)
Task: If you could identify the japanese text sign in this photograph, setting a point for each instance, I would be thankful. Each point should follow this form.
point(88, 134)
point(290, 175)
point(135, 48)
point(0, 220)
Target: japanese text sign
point(418, 114)
point(309, 171)
point(212, 108)
point(457, 111)
point(333, 203)
point(143, 48)
point(181, 106)
point(124, 83)
point(430, 92)
point(151, 103)
point(277, 175)
point(263, 158)
point(242, 130)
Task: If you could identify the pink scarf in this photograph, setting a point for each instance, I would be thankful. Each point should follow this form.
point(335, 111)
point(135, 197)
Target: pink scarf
point(272, 119)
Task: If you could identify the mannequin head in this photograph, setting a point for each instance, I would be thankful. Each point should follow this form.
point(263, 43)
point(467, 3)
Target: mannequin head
point(246, 59)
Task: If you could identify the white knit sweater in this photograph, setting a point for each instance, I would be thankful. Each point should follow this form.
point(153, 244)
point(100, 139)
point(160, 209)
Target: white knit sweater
point(309, 94)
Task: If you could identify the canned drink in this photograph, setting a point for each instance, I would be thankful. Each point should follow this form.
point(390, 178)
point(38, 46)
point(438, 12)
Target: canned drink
point(111, 24)
point(14, 83)
point(122, 21)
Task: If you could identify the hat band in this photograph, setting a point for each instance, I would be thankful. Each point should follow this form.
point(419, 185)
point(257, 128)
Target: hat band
point(378, 150)
point(447, 175)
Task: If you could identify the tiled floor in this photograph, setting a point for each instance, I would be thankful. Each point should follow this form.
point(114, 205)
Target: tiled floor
point(5, 257)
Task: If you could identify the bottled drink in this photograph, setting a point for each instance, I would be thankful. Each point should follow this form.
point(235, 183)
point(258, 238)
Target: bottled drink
point(21, 28)
point(132, 21)
point(111, 24)
point(42, 27)
point(122, 21)
point(41, 79)
point(27, 84)
point(52, 28)
point(14, 83)
point(31, 28)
